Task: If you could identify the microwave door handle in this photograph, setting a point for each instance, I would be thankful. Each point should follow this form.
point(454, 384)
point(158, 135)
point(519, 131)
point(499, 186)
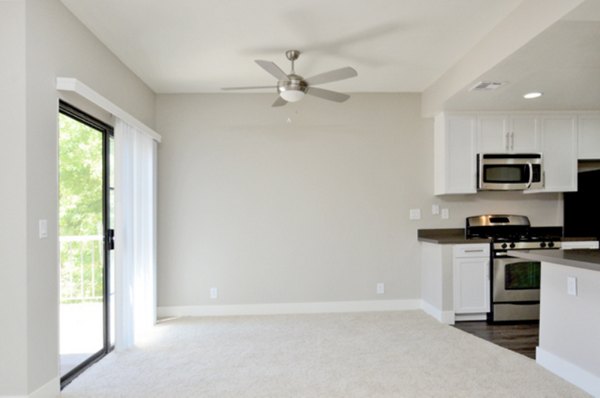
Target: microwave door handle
point(530, 175)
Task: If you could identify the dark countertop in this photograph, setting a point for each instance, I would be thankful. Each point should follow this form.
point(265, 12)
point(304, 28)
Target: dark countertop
point(446, 236)
point(580, 258)
point(452, 236)
point(577, 239)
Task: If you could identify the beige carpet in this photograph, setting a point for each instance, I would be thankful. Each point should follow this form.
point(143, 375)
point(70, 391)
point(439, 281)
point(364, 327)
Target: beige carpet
point(387, 354)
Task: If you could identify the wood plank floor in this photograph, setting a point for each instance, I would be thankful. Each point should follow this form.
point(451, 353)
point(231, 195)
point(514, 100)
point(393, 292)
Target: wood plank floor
point(521, 338)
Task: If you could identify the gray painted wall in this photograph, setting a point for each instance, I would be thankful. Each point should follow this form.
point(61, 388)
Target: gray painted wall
point(46, 41)
point(268, 211)
point(13, 295)
point(313, 210)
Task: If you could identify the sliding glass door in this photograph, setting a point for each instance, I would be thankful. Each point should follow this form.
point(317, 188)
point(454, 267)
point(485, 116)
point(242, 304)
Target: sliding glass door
point(86, 239)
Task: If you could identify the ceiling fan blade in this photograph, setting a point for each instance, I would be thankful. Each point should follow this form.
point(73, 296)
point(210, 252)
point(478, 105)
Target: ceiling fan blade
point(279, 102)
point(332, 76)
point(246, 88)
point(327, 94)
point(272, 69)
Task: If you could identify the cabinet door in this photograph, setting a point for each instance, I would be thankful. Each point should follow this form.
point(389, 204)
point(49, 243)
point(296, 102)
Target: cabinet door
point(559, 149)
point(523, 135)
point(492, 134)
point(589, 137)
point(455, 166)
point(471, 285)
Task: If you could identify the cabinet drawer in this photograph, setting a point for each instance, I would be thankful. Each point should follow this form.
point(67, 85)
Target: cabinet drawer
point(474, 250)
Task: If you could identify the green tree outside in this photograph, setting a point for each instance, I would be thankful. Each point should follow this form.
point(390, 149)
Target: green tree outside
point(80, 198)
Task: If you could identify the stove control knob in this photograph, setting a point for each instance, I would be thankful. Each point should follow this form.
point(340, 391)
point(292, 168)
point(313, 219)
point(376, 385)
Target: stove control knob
point(543, 244)
point(512, 245)
point(550, 244)
point(504, 245)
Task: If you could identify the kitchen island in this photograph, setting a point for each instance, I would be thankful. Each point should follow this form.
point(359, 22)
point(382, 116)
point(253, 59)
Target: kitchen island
point(569, 343)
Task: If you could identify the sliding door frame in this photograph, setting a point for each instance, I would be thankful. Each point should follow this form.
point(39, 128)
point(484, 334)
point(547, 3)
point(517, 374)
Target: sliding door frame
point(108, 232)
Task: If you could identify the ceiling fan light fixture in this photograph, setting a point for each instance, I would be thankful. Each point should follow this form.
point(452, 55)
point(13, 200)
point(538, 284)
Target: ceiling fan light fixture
point(292, 95)
point(292, 87)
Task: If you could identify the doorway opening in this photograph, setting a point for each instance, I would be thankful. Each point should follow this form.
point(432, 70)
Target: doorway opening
point(86, 220)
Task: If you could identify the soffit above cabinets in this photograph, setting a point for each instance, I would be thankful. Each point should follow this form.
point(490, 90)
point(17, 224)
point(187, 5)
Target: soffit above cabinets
point(563, 63)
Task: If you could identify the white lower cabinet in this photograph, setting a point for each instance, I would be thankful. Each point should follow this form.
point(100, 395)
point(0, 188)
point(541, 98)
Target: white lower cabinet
point(471, 277)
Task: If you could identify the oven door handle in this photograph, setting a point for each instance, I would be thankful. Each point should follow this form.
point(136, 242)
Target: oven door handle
point(530, 175)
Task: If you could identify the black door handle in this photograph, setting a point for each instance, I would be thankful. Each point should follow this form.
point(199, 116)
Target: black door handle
point(110, 239)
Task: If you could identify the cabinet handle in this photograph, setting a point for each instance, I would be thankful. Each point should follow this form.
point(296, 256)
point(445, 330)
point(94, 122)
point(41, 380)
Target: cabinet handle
point(512, 141)
point(507, 141)
point(474, 250)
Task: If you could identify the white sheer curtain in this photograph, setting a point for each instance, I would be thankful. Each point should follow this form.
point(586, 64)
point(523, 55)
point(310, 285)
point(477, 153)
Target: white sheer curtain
point(135, 234)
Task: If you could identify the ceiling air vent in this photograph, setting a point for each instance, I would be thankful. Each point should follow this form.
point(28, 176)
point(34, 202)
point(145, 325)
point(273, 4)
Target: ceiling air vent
point(486, 86)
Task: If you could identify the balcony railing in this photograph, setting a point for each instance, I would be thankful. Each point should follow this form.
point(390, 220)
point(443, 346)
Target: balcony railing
point(81, 268)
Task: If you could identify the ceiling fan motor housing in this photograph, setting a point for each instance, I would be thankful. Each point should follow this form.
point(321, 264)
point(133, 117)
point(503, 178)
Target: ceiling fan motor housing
point(295, 83)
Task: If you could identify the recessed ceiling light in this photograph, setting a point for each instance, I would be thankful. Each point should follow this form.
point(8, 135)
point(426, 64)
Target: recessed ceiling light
point(534, 94)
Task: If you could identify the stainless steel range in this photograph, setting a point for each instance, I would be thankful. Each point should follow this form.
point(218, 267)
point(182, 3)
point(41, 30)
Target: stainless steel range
point(515, 283)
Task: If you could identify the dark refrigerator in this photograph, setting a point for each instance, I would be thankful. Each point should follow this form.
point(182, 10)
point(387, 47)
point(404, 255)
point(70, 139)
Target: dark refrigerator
point(582, 208)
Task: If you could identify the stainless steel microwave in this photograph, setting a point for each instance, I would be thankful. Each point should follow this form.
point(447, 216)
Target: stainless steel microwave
point(509, 171)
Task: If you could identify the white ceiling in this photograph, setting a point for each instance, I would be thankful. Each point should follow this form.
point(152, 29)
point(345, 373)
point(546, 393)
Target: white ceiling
point(563, 63)
point(183, 46)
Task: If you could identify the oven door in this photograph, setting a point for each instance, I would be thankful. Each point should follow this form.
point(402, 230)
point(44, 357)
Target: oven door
point(516, 280)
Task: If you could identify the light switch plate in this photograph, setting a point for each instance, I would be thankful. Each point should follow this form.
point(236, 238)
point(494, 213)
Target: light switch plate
point(214, 293)
point(415, 214)
point(445, 214)
point(43, 229)
point(380, 288)
point(435, 209)
point(571, 286)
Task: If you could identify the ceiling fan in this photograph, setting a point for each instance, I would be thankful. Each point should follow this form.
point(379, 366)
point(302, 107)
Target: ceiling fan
point(292, 87)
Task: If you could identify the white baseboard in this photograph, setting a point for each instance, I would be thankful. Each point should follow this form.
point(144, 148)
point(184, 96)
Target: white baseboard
point(48, 390)
point(583, 379)
point(470, 317)
point(289, 308)
point(446, 317)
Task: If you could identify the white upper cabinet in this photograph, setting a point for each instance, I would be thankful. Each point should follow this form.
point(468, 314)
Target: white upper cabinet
point(455, 163)
point(524, 134)
point(498, 133)
point(460, 136)
point(492, 134)
point(559, 152)
point(589, 137)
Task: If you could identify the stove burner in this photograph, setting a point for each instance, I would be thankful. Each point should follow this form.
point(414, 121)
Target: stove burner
point(512, 232)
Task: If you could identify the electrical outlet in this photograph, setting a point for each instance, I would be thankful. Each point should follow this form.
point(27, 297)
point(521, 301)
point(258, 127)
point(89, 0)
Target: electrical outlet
point(415, 214)
point(571, 286)
point(380, 288)
point(435, 209)
point(445, 214)
point(214, 293)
